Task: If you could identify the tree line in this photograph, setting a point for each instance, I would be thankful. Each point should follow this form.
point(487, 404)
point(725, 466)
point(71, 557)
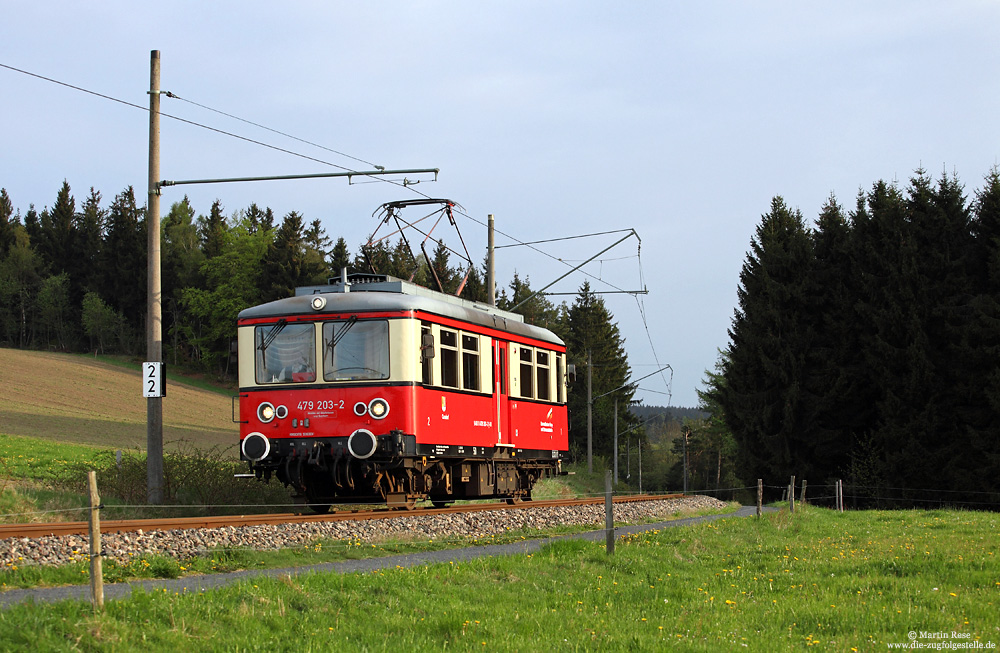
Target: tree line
point(867, 347)
point(73, 279)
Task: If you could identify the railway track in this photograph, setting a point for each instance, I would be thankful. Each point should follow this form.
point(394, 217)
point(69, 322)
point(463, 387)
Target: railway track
point(177, 523)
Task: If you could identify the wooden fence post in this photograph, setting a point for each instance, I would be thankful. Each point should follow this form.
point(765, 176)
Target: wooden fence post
point(791, 495)
point(802, 497)
point(96, 568)
point(760, 495)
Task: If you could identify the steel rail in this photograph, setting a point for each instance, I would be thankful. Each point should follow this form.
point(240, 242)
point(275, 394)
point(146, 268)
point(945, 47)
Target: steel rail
point(34, 530)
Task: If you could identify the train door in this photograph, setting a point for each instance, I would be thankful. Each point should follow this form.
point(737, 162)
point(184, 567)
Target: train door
point(500, 390)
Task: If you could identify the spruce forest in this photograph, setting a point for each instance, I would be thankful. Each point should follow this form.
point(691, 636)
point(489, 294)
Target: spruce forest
point(868, 348)
point(73, 279)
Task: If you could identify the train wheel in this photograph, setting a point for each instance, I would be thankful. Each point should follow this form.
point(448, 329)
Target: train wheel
point(441, 503)
point(320, 508)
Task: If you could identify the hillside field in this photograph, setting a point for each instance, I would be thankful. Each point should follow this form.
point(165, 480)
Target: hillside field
point(83, 400)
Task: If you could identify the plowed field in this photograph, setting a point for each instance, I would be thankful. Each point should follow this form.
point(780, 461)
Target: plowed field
point(72, 398)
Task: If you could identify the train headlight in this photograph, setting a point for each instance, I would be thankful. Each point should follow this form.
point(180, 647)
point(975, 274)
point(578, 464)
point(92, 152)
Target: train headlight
point(255, 446)
point(265, 412)
point(318, 303)
point(360, 409)
point(281, 412)
point(378, 408)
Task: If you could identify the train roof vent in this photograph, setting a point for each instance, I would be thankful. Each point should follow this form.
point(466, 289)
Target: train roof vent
point(361, 277)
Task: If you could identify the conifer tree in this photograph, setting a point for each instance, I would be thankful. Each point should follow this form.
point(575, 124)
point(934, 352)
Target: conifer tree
point(594, 339)
point(90, 227)
point(212, 230)
point(981, 414)
point(831, 386)
point(259, 219)
point(33, 226)
point(287, 264)
point(443, 273)
point(123, 260)
point(6, 222)
point(764, 396)
point(59, 240)
point(340, 257)
point(317, 246)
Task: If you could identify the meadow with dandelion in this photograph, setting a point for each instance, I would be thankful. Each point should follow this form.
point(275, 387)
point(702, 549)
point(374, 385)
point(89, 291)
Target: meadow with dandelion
point(816, 578)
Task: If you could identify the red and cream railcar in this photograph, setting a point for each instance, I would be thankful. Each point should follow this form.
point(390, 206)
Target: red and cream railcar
point(374, 389)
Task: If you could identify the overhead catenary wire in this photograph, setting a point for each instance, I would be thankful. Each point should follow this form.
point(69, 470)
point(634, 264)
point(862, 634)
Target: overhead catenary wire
point(406, 184)
point(279, 149)
point(280, 133)
point(189, 122)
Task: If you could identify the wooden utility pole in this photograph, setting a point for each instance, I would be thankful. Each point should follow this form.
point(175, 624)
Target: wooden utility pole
point(96, 567)
point(760, 496)
point(154, 322)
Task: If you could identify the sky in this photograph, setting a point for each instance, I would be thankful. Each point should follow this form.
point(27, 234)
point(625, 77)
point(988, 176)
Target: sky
point(678, 120)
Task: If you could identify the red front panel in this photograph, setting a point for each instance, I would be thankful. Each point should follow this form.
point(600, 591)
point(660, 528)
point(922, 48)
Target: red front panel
point(330, 411)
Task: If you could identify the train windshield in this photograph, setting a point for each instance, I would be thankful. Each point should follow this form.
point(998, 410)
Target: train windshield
point(285, 353)
point(356, 350)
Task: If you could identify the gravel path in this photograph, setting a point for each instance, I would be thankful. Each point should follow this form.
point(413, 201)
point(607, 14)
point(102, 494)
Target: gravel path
point(185, 543)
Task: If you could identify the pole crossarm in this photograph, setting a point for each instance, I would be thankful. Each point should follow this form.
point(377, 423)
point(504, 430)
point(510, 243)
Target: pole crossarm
point(665, 367)
point(320, 175)
point(599, 292)
point(631, 232)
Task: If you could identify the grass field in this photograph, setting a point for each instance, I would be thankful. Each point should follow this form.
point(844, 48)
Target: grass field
point(852, 581)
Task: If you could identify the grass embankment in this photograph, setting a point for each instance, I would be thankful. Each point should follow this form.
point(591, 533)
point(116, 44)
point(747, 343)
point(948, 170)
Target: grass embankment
point(817, 578)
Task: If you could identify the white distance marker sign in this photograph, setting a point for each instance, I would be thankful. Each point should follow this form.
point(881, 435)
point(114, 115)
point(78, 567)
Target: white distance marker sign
point(154, 382)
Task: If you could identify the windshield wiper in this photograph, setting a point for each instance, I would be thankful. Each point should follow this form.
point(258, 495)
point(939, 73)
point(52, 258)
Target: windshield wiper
point(339, 335)
point(269, 337)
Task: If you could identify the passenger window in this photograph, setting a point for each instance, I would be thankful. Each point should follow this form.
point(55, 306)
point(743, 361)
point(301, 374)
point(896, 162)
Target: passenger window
point(527, 373)
point(449, 358)
point(470, 362)
point(542, 374)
